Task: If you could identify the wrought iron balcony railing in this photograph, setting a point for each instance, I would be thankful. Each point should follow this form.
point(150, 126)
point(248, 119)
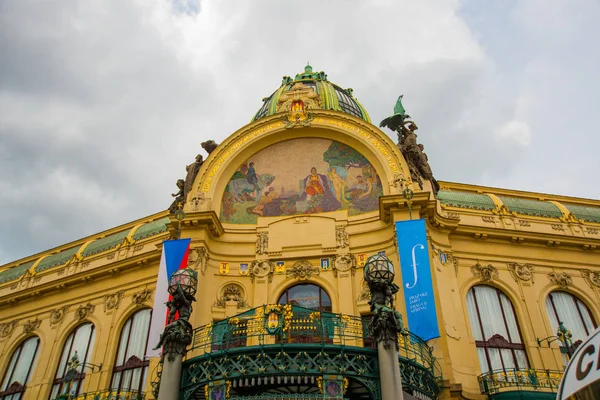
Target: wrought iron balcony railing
point(513, 379)
point(109, 394)
point(287, 324)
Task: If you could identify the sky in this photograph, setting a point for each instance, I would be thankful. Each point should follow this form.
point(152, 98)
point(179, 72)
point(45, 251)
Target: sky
point(104, 102)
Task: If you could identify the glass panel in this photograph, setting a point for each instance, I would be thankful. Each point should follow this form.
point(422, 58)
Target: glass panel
point(511, 321)
point(9, 373)
point(473, 317)
point(27, 359)
point(125, 382)
point(521, 359)
point(65, 356)
point(143, 382)
point(483, 364)
point(304, 296)
point(568, 312)
point(507, 358)
point(123, 343)
point(495, 358)
point(490, 312)
point(587, 317)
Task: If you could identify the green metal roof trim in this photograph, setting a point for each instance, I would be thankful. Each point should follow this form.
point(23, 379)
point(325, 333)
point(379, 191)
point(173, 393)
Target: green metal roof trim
point(106, 243)
point(535, 208)
point(57, 259)
point(151, 228)
point(332, 96)
point(474, 201)
point(588, 214)
point(14, 273)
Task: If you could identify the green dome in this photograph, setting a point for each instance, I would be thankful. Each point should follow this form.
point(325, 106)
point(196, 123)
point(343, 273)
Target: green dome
point(332, 96)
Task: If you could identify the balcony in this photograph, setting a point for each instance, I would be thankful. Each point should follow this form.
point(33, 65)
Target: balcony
point(520, 383)
point(109, 394)
point(284, 350)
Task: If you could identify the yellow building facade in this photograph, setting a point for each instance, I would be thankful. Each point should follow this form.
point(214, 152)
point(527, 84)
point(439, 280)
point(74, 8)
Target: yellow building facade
point(285, 211)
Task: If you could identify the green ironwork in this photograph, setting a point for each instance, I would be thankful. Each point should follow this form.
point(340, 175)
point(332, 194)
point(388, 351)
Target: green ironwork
point(57, 259)
point(289, 396)
point(525, 379)
point(275, 341)
point(109, 394)
point(15, 273)
point(588, 214)
point(535, 208)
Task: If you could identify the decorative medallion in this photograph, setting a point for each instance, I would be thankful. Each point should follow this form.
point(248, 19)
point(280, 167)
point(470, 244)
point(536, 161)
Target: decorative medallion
point(273, 323)
point(224, 268)
point(30, 326)
point(562, 279)
point(343, 263)
point(83, 312)
point(486, 273)
point(113, 301)
point(262, 268)
point(262, 243)
point(244, 269)
point(341, 237)
point(302, 270)
point(231, 292)
point(141, 297)
point(198, 259)
point(280, 267)
point(592, 278)
point(56, 316)
point(7, 328)
point(523, 272)
point(443, 258)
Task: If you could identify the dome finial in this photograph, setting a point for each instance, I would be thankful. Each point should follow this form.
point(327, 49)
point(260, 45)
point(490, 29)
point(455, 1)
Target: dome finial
point(308, 68)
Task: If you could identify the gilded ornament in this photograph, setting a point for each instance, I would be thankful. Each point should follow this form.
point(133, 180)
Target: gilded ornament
point(83, 312)
point(302, 270)
point(486, 273)
point(57, 315)
point(562, 279)
point(30, 326)
point(7, 328)
point(341, 237)
point(592, 278)
point(262, 243)
point(523, 272)
point(113, 301)
point(141, 297)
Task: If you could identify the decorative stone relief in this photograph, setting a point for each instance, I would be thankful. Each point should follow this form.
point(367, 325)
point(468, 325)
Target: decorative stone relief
point(486, 273)
point(453, 215)
point(198, 259)
point(262, 243)
point(82, 312)
point(523, 222)
point(113, 301)
point(592, 231)
point(56, 316)
point(302, 270)
point(343, 263)
point(523, 272)
point(30, 326)
point(231, 292)
point(142, 296)
point(6, 329)
point(365, 294)
point(592, 278)
point(490, 220)
point(341, 237)
point(400, 182)
point(199, 201)
point(558, 227)
point(261, 268)
point(563, 279)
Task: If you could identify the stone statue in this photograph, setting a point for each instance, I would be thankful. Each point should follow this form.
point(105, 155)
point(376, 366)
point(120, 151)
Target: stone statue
point(387, 322)
point(396, 121)
point(209, 146)
point(179, 197)
point(407, 143)
point(192, 171)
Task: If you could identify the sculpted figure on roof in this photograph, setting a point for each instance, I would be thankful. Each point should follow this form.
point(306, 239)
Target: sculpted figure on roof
point(192, 171)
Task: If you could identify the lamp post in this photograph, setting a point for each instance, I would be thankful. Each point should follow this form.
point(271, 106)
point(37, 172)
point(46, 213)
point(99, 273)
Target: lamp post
point(564, 336)
point(178, 333)
point(386, 323)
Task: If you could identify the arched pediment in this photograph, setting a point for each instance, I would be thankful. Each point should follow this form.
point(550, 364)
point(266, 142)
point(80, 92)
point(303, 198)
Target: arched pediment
point(270, 170)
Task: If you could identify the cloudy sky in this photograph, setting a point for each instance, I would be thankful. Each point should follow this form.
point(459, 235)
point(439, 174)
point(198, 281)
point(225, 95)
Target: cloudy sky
point(103, 103)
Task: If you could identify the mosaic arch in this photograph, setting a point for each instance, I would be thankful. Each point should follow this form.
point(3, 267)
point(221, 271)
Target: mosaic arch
point(301, 176)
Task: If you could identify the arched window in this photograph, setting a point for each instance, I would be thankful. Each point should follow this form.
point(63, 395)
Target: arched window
point(307, 296)
point(68, 380)
point(131, 369)
point(495, 328)
point(19, 369)
point(568, 309)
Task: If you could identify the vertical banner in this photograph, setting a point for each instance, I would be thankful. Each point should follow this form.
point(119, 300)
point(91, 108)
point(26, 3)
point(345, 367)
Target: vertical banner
point(416, 279)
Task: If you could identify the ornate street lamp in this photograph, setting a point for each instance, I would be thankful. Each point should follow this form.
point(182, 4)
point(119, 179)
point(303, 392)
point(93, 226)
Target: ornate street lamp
point(565, 337)
point(386, 323)
point(186, 278)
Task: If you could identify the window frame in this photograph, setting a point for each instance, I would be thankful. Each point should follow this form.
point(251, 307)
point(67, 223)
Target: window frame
point(321, 293)
point(18, 388)
point(131, 364)
point(497, 341)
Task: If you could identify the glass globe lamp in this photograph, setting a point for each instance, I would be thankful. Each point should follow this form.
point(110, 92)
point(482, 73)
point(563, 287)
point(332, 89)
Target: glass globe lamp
point(186, 278)
point(379, 268)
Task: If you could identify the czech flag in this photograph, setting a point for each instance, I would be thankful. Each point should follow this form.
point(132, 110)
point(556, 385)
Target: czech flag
point(174, 256)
